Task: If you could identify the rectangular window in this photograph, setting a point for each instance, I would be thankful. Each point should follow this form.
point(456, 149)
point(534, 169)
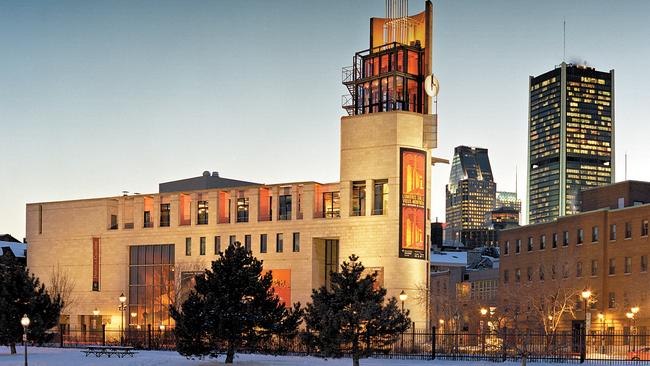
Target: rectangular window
point(147, 219)
point(164, 214)
point(644, 263)
point(242, 209)
point(628, 265)
point(565, 239)
point(263, 239)
point(518, 246)
point(542, 242)
point(202, 245)
point(188, 246)
point(358, 198)
point(594, 234)
point(554, 240)
point(285, 207)
point(380, 198)
point(506, 248)
point(331, 204)
point(517, 275)
point(279, 243)
point(113, 222)
point(644, 228)
point(296, 242)
point(579, 269)
point(594, 267)
point(628, 230)
point(248, 245)
point(612, 232)
point(232, 240)
point(530, 243)
point(217, 245)
point(581, 236)
point(202, 213)
point(506, 276)
point(611, 303)
point(529, 274)
point(612, 266)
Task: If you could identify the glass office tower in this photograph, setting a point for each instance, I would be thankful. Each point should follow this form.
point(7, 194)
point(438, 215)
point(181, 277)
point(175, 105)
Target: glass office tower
point(471, 192)
point(570, 139)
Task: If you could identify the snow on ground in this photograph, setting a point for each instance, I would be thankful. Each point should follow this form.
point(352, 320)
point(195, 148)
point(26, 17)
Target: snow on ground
point(42, 356)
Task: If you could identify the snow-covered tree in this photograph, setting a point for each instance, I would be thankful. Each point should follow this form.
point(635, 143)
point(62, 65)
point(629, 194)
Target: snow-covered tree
point(21, 293)
point(233, 305)
point(353, 316)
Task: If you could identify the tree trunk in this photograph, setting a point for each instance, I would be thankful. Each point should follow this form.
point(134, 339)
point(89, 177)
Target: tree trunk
point(355, 360)
point(13, 348)
point(523, 359)
point(230, 354)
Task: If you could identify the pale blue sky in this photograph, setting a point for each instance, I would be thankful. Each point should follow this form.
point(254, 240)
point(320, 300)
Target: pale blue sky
point(97, 97)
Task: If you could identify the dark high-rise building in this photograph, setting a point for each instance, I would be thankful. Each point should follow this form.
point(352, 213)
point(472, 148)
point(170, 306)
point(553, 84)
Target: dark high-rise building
point(470, 193)
point(570, 138)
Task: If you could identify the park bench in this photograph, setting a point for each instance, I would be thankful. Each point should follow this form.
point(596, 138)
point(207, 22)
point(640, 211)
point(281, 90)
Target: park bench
point(109, 351)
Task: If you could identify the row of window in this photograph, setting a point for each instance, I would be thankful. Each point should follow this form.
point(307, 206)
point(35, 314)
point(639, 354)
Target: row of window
point(248, 243)
point(580, 237)
point(611, 270)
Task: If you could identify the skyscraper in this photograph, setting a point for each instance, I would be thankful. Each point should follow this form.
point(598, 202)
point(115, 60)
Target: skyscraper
point(570, 138)
point(471, 191)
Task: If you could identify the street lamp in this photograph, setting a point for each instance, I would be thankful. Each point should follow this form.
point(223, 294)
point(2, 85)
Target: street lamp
point(121, 308)
point(403, 296)
point(96, 312)
point(484, 312)
point(25, 323)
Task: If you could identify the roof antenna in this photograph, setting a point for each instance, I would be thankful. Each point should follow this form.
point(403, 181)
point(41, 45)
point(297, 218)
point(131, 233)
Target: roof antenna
point(564, 41)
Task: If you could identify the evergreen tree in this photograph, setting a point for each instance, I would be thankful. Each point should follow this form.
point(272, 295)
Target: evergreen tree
point(21, 293)
point(232, 306)
point(353, 316)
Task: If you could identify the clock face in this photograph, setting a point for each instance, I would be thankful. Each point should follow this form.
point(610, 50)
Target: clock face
point(431, 86)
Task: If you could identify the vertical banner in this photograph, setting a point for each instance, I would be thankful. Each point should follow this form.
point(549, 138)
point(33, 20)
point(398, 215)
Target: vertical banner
point(412, 217)
point(95, 264)
point(282, 285)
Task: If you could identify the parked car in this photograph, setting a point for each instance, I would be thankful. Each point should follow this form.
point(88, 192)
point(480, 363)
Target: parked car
point(640, 354)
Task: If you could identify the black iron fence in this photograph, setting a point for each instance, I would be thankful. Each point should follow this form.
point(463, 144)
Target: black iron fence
point(499, 346)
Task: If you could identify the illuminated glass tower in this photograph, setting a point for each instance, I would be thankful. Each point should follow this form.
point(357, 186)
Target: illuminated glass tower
point(471, 192)
point(570, 139)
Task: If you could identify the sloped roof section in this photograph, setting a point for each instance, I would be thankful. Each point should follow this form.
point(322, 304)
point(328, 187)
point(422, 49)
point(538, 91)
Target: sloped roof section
point(206, 181)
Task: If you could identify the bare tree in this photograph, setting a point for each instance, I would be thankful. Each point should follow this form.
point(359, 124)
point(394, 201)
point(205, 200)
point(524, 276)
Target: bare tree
point(62, 284)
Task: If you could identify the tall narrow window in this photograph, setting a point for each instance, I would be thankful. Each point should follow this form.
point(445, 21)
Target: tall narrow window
point(612, 232)
point(296, 242)
point(612, 266)
point(242, 210)
point(594, 234)
point(263, 243)
point(611, 303)
point(554, 240)
point(518, 246)
point(517, 275)
point(594, 267)
point(380, 197)
point(284, 203)
point(581, 236)
point(542, 242)
point(331, 204)
point(628, 230)
point(530, 243)
point(358, 198)
point(279, 243)
point(506, 248)
point(164, 214)
point(202, 245)
point(644, 228)
point(188, 246)
point(232, 240)
point(217, 245)
point(147, 219)
point(644, 263)
point(248, 243)
point(565, 239)
point(113, 222)
point(628, 265)
point(202, 213)
point(579, 269)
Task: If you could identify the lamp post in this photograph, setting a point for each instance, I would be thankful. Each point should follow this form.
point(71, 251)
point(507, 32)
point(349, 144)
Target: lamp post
point(25, 323)
point(121, 308)
point(635, 310)
point(601, 318)
point(403, 296)
point(629, 316)
point(484, 312)
point(586, 294)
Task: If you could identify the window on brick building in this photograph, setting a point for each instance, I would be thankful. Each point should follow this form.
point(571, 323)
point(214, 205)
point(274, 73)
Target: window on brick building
point(530, 243)
point(553, 271)
point(644, 263)
point(542, 242)
point(612, 266)
point(612, 232)
point(628, 265)
point(628, 230)
point(644, 228)
point(554, 240)
point(517, 275)
point(518, 246)
point(565, 239)
point(506, 276)
point(529, 273)
point(506, 248)
point(579, 269)
point(581, 236)
point(594, 234)
point(594, 267)
point(541, 272)
point(611, 303)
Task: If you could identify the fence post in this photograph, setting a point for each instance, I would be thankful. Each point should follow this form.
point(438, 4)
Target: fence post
point(61, 335)
point(103, 334)
point(583, 342)
point(433, 343)
point(504, 344)
point(149, 336)
point(413, 339)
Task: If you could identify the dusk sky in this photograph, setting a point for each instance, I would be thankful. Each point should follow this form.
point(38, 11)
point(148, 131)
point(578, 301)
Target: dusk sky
point(99, 97)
